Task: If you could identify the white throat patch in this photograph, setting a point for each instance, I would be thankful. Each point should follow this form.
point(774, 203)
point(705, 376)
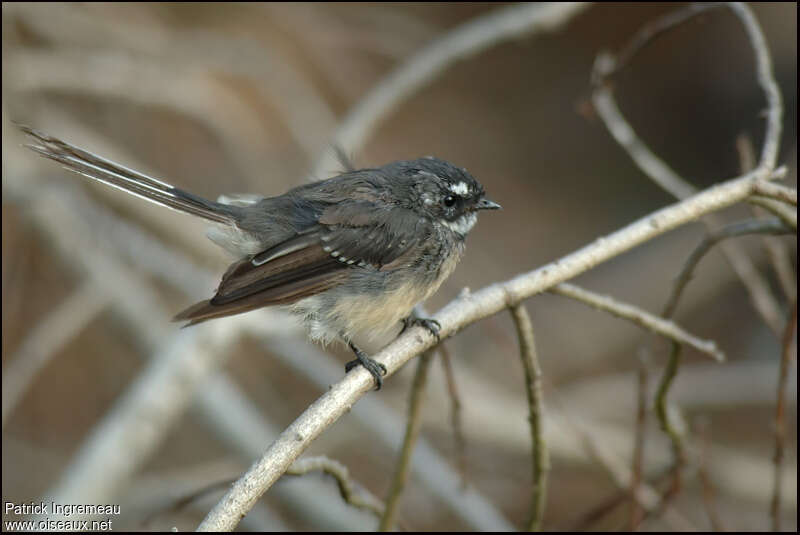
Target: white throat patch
point(463, 224)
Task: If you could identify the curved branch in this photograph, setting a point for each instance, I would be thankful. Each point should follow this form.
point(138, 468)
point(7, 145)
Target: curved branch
point(742, 228)
point(351, 492)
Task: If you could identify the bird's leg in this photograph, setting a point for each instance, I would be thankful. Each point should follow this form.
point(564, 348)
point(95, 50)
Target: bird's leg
point(429, 323)
point(375, 368)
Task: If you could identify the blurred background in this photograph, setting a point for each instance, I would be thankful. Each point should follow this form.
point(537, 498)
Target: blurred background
point(246, 98)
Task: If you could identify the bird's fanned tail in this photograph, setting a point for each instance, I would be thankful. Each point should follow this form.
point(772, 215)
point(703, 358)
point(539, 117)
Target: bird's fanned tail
point(118, 176)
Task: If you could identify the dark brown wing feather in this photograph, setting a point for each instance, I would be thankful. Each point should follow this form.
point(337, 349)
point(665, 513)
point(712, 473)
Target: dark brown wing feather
point(348, 236)
point(284, 279)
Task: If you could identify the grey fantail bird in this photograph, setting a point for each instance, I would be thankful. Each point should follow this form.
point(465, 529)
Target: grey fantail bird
point(351, 255)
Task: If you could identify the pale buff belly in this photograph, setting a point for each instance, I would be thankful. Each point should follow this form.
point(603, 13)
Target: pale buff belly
point(339, 312)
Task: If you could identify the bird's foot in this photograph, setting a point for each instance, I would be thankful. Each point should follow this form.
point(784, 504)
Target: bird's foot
point(374, 367)
point(429, 323)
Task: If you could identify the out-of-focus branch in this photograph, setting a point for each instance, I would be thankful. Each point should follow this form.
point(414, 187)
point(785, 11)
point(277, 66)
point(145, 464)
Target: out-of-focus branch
point(784, 213)
point(610, 461)
point(658, 171)
point(777, 192)
point(470, 38)
point(777, 251)
point(709, 495)
point(766, 79)
point(640, 317)
point(455, 412)
point(639, 436)
point(112, 74)
point(742, 228)
point(533, 388)
point(458, 314)
point(608, 65)
point(413, 427)
point(669, 425)
point(672, 422)
point(789, 350)
point(44, 341)
point(352, 493)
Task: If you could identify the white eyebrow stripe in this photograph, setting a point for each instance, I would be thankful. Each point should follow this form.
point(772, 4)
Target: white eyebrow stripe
point(460, 188)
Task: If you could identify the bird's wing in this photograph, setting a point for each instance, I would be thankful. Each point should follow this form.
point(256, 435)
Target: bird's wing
point(347, 236)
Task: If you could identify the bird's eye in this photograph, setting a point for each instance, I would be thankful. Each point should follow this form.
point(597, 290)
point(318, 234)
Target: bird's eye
point(449, 201)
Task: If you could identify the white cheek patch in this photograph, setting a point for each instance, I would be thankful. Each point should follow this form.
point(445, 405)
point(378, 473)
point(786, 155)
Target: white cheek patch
point(461, 188)
point(463, 224)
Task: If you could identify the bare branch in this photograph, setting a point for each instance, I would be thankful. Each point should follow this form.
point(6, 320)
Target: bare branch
point(766, 79)
point(786, 214)
point(777, 192)
point(777, 251)
point(780, 419)
point(609, 460)
point(46, 339)
point(608, 65)
point(533, 388)
point(637, 460)
point(640, 317)
point(352, 493)
point(455, 412)
point(658, 171)
point(412, 432)
point(671, 422)
point(750, 226)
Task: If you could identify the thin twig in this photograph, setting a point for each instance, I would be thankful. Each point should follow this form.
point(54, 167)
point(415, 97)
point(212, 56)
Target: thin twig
point(533, 388)
point(640, 434)
point(609, 460)
point(412, 432)
point(671, 422)
point(777, 192)
point(640, 317)
point(645, 35)
point(777, 251)
point(780, 418)
point(351, 492)
point(766, 79)
point(784, 212)
point(658, 171)
point(750, 226)
point(587, 520)
point(608, 65)
point(455, 413)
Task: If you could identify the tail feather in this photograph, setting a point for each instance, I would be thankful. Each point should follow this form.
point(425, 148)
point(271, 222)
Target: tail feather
point(118, 176)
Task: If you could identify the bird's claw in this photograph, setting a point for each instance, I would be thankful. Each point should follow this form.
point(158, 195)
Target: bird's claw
point(429, 323)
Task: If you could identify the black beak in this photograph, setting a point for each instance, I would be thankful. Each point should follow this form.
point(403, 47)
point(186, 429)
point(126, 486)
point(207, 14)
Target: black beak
point(486, 204)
